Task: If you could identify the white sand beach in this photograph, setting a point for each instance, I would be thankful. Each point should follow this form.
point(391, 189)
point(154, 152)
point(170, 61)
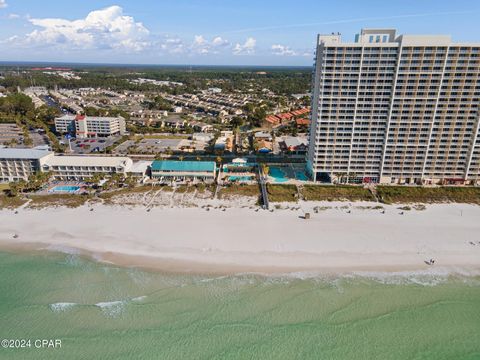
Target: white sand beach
point(342, 237)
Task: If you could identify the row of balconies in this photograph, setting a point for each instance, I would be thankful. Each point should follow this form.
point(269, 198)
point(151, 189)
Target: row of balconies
point(78, 168)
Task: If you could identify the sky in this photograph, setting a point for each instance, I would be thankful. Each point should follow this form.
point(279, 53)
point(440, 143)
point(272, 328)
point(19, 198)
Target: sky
point(212, 32)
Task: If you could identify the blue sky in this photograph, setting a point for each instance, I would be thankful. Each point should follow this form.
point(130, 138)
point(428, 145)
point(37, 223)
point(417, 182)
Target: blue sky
point(217, 32)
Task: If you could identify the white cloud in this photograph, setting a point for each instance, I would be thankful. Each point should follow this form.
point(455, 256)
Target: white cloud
point(219, 42)
point(203, 46)
point(199, 40)
point(3, 4)
point(13, 16)
point(246, 48)
point(172, 45)
point(283, 50)
point(107, 28)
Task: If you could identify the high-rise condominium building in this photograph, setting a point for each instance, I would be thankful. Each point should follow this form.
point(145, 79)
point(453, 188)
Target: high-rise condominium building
point(395, 109)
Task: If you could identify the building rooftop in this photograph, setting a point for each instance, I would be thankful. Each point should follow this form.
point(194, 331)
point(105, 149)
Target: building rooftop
point(140, 167)
point(84, 117)
point(7, 153)
point(186, 166)
point(389, 37)
point(89, 161)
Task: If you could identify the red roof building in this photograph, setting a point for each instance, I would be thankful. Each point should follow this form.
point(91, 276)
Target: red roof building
point(302, 122)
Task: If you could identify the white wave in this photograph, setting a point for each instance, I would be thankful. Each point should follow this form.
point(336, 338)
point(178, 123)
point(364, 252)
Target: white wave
point(112, 308)
point(62, 306)
point(432, 276)
point(139, 298)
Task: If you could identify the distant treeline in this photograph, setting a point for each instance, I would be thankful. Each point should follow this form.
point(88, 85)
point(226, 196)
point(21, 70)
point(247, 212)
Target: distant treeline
point(280, 80)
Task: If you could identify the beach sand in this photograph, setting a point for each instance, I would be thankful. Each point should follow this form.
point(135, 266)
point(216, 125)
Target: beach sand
point(342, 237)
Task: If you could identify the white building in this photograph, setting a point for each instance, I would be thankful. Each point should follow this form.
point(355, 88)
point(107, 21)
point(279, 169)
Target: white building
point(90, 126)
point(395, 109)
point(19, 164)
point(84, 167)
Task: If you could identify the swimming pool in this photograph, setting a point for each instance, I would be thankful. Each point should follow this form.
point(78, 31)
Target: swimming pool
point(277, 174)
point(240, 178)
point(282, 174)
point(65, 189)
point(300, 175)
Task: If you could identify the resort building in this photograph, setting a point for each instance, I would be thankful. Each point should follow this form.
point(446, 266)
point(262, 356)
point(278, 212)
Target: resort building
point(395, 109)
point(90, 126)
point(84, 167)
point(167, 170)
point(19, 164)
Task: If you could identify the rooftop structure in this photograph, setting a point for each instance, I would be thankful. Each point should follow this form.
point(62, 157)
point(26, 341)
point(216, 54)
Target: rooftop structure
point(183, 170)
point(22, 154)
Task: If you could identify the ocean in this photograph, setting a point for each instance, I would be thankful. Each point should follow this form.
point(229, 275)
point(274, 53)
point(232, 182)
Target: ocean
point(99, 311)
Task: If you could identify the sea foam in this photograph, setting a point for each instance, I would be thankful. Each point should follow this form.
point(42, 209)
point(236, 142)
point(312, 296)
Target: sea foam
point(62, 306)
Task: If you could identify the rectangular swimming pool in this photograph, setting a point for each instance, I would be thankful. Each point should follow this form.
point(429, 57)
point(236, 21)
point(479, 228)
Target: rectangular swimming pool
point(240, 178)
point(65, 189)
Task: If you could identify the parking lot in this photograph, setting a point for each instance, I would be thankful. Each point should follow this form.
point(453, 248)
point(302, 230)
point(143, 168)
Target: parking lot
point(9, 133)
point(87, 146)
point(152, 146)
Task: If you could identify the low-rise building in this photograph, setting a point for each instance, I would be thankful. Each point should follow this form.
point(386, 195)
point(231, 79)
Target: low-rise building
point(263, 135)
point(19, 164)
point(294, 144)
point(175, 122)
point(202, 127)
point(168, 170)
point(84, 167)
point(203, 137)
point(140, 169)
point(90, 126)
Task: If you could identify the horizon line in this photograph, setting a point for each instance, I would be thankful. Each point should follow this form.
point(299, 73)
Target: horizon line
point(20, 62)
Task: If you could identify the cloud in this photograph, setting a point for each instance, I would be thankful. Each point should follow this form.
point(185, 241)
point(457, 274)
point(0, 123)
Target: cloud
point(248, 48)
point(203, 46)
point(107, 28)
point(219, 42)
point(282, 50)
point(3, 4)
point(171, 45)
point(13, 16)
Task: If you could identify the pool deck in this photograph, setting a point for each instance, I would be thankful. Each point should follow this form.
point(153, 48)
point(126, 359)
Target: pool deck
point(49, 189)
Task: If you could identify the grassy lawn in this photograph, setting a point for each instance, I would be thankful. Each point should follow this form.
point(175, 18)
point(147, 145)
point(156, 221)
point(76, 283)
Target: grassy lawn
point(282, 193)
point(66, 200)
point(406, 194)
point(242, 190)
point(335, 193)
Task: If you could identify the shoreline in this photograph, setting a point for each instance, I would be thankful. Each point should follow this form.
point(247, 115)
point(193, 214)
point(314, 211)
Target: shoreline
point(196, 241)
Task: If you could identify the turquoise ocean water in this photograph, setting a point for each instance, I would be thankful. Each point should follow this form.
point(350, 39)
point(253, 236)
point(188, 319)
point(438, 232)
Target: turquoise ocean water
point(100, 311)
